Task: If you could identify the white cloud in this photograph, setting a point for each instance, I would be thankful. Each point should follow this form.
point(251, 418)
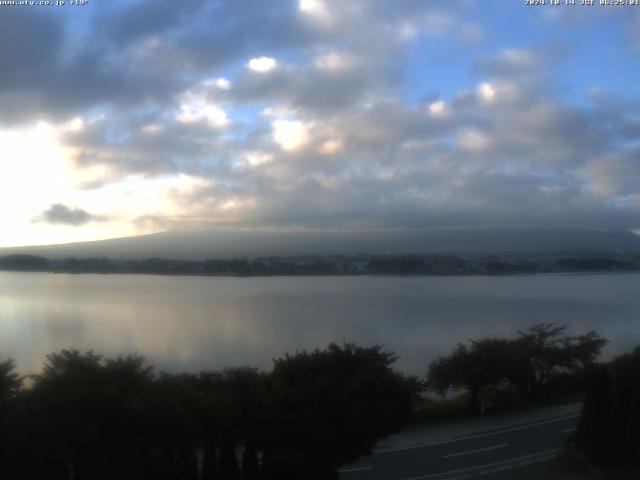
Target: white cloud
point(152, 128)
point(486, 93)
point(290, 134)
point(223, 84)
point(278, 111)
point(220, 83)
point(256, 158)
point(195, 107)
point(262, 64)
point(74, 125)
point(331, 147)
point(313, 7)
point(438, 108)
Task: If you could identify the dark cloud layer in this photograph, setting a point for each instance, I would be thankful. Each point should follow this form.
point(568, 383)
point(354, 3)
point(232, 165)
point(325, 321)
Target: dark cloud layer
point(60, 214)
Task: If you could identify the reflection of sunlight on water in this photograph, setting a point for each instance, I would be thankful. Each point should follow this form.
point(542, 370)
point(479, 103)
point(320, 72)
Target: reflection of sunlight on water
point(194, 323)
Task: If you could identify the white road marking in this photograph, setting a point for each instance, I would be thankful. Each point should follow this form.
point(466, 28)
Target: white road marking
point(543, 458)
point(460, 454)
point(358, 469)
point(497, 469)
point(546, 455)
point(569, 430)
point(473, 437)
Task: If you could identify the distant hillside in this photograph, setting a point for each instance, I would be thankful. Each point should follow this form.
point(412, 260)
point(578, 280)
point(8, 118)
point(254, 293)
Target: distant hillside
point(227, 244)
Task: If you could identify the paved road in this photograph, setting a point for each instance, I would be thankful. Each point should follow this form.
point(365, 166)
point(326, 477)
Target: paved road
point(523, 451)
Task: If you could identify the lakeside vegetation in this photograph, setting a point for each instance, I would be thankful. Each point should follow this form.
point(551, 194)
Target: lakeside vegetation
point(608, 434)
point(85, 416)
point(90, 417)
point(433, 264)
point(541, 364)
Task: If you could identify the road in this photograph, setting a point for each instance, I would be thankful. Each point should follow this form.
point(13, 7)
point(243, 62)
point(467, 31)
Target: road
point(523, 451)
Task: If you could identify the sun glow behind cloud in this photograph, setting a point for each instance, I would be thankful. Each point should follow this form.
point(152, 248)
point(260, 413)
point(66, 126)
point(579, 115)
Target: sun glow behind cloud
point(37, 173)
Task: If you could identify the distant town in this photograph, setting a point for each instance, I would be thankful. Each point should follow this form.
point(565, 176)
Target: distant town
point(428, 264)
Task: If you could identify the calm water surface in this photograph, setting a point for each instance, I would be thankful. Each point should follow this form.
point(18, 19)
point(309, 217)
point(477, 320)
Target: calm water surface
point(195, 323)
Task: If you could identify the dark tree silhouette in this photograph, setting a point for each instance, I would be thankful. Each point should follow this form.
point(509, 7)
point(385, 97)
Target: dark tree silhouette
point(543, 352)
point(93, 414)
point(10, 381)
point(329, 407)
point(529, 363)
point(88, 417)
point(609, 427)
point(12, 439)
point(480, 364)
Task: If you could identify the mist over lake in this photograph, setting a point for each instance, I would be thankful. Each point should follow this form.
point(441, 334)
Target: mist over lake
point(196, 323)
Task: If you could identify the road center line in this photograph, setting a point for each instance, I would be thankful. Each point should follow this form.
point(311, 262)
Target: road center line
point(472, 437)
point(460, 454)
point(358, 469)
point(479, 467)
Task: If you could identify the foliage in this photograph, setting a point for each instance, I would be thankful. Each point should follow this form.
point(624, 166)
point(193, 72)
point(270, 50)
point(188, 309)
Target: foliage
point(10, 381)
point(543, 352)
point(473, 367)
point(96, 418)
point(609, 427)
point(530, 363)
point(330, 406)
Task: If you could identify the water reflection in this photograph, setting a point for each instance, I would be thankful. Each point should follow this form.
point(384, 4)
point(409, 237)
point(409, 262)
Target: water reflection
point(194, 323)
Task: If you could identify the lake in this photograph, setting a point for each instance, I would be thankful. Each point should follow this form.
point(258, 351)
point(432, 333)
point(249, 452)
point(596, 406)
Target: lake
point(196, 323)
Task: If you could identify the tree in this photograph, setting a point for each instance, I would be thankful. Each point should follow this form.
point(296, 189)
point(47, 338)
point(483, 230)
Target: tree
point(530, 362)
point(609, 427)
point(472, 367)
point(329, 407)
point(543, 352)
point(11, 439)
point(92, 414)
point(10, 381)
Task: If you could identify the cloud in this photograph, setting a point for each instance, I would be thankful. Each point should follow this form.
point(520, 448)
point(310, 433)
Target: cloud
point(486, 93)
point(60, 214)
point(290, 134)
point(195, 107)
point(262, 64)
point(616, 174)
point(511, 62)
point(321, 114)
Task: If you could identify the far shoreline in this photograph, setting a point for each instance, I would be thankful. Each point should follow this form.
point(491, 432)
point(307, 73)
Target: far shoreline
point(333, 275)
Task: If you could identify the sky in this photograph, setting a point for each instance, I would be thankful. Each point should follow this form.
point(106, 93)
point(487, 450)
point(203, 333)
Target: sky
point(122, 118)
